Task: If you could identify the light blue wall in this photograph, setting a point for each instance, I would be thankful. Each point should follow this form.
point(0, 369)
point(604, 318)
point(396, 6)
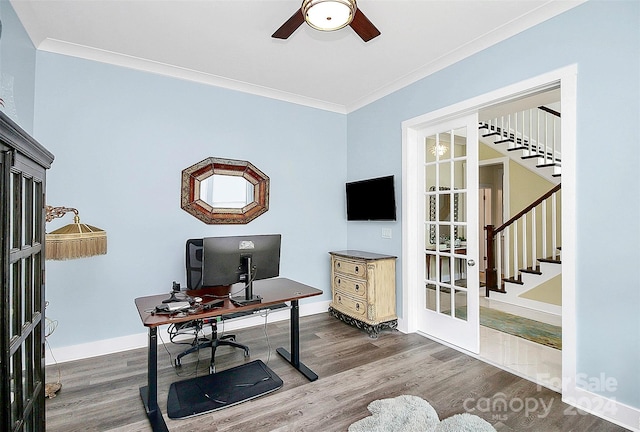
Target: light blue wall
point(17, 69)
point(603, 38)
point(121, 139)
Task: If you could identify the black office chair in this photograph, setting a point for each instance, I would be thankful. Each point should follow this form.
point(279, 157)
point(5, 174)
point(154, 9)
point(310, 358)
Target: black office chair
point(193, 260)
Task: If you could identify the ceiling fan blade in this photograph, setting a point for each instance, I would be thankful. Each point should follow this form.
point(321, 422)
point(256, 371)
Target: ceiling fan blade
point(363, 27)
point(289, 26)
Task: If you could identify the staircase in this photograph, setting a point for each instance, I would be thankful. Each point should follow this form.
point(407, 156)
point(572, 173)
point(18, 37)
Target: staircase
point(515, 291)
point(525, 250)
point(530, 137)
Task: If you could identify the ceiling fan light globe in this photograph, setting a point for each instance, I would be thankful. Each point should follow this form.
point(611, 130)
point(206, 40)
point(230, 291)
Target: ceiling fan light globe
point(328, 15)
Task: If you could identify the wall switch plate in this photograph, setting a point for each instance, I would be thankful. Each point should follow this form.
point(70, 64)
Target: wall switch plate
point(386, 233)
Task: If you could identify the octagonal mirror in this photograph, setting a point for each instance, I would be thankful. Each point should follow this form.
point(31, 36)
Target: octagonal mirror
point(224, 191)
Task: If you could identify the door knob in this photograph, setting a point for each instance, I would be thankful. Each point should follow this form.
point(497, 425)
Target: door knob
point(471, 263)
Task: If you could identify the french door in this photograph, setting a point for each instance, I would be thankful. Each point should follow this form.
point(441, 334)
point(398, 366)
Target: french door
point(448, 179)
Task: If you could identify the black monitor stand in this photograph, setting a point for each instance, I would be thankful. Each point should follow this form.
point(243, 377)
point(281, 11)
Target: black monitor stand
point(249, 297)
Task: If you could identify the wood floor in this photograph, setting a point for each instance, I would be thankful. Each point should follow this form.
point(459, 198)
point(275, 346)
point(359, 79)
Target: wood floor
point(101, 394)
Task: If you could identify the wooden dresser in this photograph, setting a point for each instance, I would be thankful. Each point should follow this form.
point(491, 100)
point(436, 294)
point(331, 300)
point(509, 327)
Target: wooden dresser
point(363, 288)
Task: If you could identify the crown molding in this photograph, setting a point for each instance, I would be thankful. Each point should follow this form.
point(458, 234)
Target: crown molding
point(531, 19)
point(137, 63)
point(544, 12)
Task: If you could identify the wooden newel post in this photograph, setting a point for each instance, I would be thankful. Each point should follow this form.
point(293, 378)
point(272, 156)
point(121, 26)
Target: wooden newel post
point(491, 278)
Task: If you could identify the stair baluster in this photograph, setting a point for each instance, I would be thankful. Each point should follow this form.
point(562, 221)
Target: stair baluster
point(535, 132)
point(544, 228)
point(509, 235)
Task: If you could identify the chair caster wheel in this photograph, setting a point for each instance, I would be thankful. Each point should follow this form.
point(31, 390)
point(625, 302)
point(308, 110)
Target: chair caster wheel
point(246, 353)
point(177, 363)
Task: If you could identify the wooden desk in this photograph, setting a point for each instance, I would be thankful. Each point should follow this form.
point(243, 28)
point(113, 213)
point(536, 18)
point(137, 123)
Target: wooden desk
point(272, 291)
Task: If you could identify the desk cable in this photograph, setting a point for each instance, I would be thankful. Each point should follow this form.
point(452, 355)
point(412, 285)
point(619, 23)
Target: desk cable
point(175, 330)
point(200, 334)
point(246, 285)
point(264, 313)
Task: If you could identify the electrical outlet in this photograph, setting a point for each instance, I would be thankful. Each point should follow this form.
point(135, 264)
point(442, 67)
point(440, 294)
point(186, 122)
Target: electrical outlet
point(386, 233)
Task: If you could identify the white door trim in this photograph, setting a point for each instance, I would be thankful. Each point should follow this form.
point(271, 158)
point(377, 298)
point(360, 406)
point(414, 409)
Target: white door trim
point(567, 79)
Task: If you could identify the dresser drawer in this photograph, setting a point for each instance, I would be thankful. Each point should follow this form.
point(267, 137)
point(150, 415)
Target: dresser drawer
point(354, 287)
point(353, 268)
point(349, 305)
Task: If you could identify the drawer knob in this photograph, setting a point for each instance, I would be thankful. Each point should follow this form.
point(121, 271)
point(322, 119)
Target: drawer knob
point(358, 306)
point(357, 269)
point(339, 281)
point(357, 287)
point(339, 299)
point(338, 265)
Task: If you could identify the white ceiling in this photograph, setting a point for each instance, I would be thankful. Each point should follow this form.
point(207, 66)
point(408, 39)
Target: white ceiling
point(229, 44)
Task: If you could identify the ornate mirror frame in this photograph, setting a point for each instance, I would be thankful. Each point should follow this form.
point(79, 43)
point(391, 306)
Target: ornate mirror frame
point(192, 203)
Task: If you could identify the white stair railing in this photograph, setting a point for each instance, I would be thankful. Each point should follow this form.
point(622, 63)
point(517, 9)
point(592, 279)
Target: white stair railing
point(524, 239)
point(536, 131)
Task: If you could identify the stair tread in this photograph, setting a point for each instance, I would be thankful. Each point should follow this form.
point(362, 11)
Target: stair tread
point(532, 270)
point(503, 291)
point(514, 281)
point(539, 155)
point(550, 260)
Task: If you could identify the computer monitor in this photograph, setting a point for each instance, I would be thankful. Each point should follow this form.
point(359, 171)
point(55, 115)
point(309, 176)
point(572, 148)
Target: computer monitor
point(229, 260)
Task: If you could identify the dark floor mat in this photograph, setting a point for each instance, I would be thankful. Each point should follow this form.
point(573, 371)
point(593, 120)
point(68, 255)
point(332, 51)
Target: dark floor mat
point(221, 390)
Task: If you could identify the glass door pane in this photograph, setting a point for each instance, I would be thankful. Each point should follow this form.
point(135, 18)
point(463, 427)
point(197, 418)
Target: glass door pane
point(450, 297)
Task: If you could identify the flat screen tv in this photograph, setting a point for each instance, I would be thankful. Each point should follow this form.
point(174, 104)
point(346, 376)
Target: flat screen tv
point(371, 200)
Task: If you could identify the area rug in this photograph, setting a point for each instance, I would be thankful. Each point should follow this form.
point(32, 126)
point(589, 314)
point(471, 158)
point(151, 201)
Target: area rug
point(535, 331)
point(409, 413)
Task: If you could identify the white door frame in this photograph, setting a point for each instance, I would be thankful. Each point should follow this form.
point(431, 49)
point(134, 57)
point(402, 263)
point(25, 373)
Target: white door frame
point(504, 162)
point(567, 79)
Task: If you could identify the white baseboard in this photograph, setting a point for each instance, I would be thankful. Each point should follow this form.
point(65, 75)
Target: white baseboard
point(140, 340)
point(606, 408)
point(403, 325)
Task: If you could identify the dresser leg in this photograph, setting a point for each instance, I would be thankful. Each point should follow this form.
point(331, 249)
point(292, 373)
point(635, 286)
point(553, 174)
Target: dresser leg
point(373, 330)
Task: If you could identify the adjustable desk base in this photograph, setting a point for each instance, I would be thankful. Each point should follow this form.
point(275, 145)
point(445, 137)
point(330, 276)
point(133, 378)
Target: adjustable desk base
point(302, 368)
point(149, 393)
point(294, 357)
point(154, 415)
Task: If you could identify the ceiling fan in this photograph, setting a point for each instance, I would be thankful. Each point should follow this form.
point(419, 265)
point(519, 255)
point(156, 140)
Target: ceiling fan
point(329, 15)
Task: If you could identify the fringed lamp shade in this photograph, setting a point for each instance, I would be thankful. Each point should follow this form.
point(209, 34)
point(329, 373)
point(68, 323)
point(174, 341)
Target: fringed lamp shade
point(75, 240)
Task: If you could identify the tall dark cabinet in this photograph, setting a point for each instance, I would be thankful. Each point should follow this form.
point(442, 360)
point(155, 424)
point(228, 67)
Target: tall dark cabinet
point(23, 163)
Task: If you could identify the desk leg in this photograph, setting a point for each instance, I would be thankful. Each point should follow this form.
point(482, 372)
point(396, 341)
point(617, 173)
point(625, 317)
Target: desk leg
point(149, 393)
point(294, 357)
